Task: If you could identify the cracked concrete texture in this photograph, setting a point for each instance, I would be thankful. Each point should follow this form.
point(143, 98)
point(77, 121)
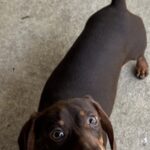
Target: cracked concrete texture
point(34, 37)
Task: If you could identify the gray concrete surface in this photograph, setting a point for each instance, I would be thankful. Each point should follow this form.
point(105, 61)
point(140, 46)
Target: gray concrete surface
point(34, 37)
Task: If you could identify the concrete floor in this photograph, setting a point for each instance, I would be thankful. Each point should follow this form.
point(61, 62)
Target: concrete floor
point(34, 36)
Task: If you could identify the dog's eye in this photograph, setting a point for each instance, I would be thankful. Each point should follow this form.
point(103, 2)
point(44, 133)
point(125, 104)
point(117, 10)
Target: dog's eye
point(57, 135)
point(92, 121)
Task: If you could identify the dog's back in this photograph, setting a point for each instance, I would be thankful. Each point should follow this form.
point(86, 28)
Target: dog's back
point(93, 64)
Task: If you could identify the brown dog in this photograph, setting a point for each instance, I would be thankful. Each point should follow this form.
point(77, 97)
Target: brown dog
point(111, 37)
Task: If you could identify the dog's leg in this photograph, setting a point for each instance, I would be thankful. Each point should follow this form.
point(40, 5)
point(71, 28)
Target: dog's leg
point(141, 68)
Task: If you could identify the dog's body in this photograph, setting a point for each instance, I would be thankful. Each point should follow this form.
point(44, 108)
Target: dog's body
point(111, 37)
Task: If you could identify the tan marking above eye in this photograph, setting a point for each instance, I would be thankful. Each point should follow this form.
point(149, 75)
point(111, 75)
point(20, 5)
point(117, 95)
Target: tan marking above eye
point(61, 122)
point(82, 113)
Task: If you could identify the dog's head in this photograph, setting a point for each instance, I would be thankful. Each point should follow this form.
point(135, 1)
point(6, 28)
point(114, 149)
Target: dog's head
point(77, 124)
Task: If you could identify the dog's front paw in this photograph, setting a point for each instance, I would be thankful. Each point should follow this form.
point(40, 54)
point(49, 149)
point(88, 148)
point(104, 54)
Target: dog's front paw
point(141, 68)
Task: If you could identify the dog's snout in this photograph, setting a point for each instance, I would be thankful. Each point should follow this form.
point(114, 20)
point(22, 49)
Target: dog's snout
point(87, 146)
point(89, 142)
point(93, 147)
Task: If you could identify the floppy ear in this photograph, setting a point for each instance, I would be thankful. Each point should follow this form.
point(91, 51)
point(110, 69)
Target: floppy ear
point(27, 137)
point(105, 122)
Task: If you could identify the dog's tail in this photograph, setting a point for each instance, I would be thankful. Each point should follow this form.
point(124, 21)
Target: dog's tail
point(119, 3)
